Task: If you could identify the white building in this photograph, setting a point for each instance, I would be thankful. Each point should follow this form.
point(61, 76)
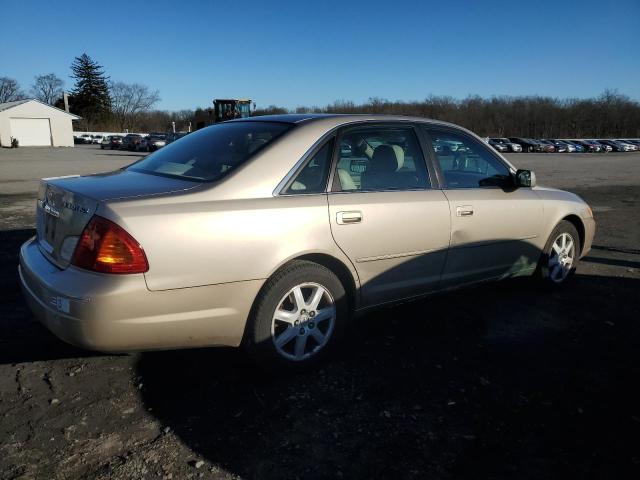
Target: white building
point(35, 123)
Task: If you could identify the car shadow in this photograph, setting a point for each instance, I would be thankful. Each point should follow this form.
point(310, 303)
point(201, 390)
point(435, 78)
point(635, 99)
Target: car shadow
point(498, 381)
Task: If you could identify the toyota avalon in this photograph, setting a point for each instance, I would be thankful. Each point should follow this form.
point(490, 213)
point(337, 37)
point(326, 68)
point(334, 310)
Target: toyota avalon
point(271, 232)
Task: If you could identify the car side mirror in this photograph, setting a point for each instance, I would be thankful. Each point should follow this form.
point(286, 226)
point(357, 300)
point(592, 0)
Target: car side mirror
point(525, 178)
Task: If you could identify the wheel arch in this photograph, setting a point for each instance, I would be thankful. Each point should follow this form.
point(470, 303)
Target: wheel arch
point(339, 269)
point(335, 265)
point(576, 221)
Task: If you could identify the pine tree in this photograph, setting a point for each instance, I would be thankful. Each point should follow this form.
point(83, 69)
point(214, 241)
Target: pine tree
point(90, 96)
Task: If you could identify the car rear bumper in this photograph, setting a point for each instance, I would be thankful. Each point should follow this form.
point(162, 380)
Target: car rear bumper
point(117, 313)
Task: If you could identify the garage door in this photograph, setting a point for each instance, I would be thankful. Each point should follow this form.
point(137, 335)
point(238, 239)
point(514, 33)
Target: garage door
point(31, 132)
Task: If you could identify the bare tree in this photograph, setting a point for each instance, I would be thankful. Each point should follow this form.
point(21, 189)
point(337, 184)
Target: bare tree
point(47, 88)
point(128, 100)
point(10, 90)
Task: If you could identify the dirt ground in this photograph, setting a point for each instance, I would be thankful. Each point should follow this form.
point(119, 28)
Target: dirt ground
point(501, 381)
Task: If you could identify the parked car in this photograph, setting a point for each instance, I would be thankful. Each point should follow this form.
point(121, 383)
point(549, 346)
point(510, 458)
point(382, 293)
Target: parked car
point(115, 142)
point(151, 143)
point(131, 141)
point(603, 146)
point(528, 144)
point(86, 138)
point(634, 142)
point(628, 146)
point(499, 146)
point(172, 137)
point(559, 148)
point(578, 147)
point(96, 138)
point(570, 148)
point(615, 145)
point(512, 147)
point(106, 142)
point(238, 234)
point(590, 146)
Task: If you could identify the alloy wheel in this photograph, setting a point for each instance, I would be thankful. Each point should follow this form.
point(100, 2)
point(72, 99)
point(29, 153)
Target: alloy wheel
point(303, 321)
point(561, 257)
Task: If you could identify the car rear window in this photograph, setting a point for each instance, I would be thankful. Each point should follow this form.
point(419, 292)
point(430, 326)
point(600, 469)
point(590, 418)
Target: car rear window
point(211, 153)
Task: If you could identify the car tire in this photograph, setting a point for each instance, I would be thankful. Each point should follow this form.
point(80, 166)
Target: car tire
point(531, 149)
point(284, 332)
point(559, 259)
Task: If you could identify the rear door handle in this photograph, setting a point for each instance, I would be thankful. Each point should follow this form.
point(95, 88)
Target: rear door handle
point(464, 210)
point(345, 218)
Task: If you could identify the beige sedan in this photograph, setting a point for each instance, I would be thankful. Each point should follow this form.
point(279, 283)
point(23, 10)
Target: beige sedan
point(271, 232)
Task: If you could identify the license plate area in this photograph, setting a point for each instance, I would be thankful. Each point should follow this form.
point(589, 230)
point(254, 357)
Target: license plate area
point(50, 225)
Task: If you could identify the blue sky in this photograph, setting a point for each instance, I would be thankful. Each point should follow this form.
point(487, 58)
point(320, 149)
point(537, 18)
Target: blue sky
point(294, 53)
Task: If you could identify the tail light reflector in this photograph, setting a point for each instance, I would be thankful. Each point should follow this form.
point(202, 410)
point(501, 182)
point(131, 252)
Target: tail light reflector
point(107, 248)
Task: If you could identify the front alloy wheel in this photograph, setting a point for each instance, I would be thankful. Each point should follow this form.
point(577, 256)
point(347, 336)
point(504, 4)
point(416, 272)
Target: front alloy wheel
point(563, 252)
point(560, 256)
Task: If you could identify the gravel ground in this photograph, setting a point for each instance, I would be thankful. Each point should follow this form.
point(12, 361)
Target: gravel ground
point(499, 381)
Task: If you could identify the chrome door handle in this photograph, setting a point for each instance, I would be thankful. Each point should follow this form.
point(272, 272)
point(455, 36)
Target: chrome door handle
point(345, 218)
point(464, 210)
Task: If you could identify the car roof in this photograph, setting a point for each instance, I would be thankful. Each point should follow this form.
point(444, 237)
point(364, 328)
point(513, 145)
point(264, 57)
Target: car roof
point(338, 118)
point(333, 120)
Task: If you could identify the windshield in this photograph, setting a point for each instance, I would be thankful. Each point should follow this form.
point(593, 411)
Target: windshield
point(212, 152)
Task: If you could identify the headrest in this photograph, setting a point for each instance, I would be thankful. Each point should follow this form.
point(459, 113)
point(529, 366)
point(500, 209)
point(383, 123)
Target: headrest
point(387, 159)
point(446, 150)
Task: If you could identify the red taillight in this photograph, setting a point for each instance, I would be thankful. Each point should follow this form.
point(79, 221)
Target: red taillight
point(106, 247)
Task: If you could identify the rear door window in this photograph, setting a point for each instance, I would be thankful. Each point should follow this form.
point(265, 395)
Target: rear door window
point(380, 158)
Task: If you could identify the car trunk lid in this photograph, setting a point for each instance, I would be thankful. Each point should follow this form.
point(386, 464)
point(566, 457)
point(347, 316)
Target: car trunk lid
point(66, 204)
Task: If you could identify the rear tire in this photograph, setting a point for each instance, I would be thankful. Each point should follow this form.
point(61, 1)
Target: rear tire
point(560, 256)
point(298, 318)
